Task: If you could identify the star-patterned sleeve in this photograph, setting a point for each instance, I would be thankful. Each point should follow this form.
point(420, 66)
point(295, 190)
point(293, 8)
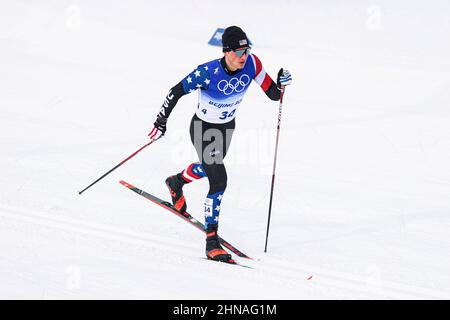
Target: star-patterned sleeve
point(199, 78)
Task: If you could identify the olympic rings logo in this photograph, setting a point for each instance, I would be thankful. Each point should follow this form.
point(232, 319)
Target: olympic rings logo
point(234, 85)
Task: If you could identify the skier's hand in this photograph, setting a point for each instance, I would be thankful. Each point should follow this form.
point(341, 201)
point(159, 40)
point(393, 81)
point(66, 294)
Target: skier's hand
point(284, 78)
point(159, 128)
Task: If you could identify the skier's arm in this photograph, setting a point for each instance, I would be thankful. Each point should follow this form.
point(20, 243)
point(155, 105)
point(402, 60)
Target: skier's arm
point(174, 94)
point(199, 78)
point(160, 124)
point(273, 92)
point(271, 89)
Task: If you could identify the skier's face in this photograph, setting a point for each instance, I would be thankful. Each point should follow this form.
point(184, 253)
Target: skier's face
point(234, 61)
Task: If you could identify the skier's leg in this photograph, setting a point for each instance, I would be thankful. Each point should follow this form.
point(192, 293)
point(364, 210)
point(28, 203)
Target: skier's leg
point(175, 185)
point(217, 177)
point(193, 172)
point(176, 182)
point(211, 142)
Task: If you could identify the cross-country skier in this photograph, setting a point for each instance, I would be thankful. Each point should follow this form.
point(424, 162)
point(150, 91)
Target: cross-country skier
point(223, 84)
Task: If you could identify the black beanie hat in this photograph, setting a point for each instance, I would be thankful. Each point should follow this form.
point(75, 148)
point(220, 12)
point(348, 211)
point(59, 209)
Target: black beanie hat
point(234, 38)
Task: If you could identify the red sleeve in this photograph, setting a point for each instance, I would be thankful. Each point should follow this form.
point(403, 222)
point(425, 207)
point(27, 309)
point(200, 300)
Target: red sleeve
point(261, 77)
point(264, 80)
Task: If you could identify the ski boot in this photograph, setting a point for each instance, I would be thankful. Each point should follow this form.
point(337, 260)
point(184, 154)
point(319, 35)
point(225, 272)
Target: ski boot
point(214, 250)
point(175, 184)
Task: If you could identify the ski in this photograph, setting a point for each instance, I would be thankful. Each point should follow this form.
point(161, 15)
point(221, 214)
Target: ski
point(233, 262)
point(184, 215)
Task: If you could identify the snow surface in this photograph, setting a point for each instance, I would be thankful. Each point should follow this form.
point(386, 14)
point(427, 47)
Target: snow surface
point(362, 192)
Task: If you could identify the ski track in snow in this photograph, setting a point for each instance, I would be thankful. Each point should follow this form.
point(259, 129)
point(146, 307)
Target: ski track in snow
point(174, 252)
point(361, 195)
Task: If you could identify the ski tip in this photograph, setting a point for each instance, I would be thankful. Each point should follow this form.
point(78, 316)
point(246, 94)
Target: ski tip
point(126, 184)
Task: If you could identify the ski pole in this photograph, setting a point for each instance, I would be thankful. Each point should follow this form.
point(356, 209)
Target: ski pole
point(274, 165)
point(121, 163)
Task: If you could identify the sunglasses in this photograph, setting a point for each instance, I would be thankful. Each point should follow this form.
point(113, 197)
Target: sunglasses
point(239, 53)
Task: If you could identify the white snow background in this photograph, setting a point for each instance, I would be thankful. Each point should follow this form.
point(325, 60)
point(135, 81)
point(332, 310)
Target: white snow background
point(362, 191)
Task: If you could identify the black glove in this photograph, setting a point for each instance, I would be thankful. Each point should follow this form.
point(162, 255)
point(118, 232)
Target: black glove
point(159, 128)
point(161, 123)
